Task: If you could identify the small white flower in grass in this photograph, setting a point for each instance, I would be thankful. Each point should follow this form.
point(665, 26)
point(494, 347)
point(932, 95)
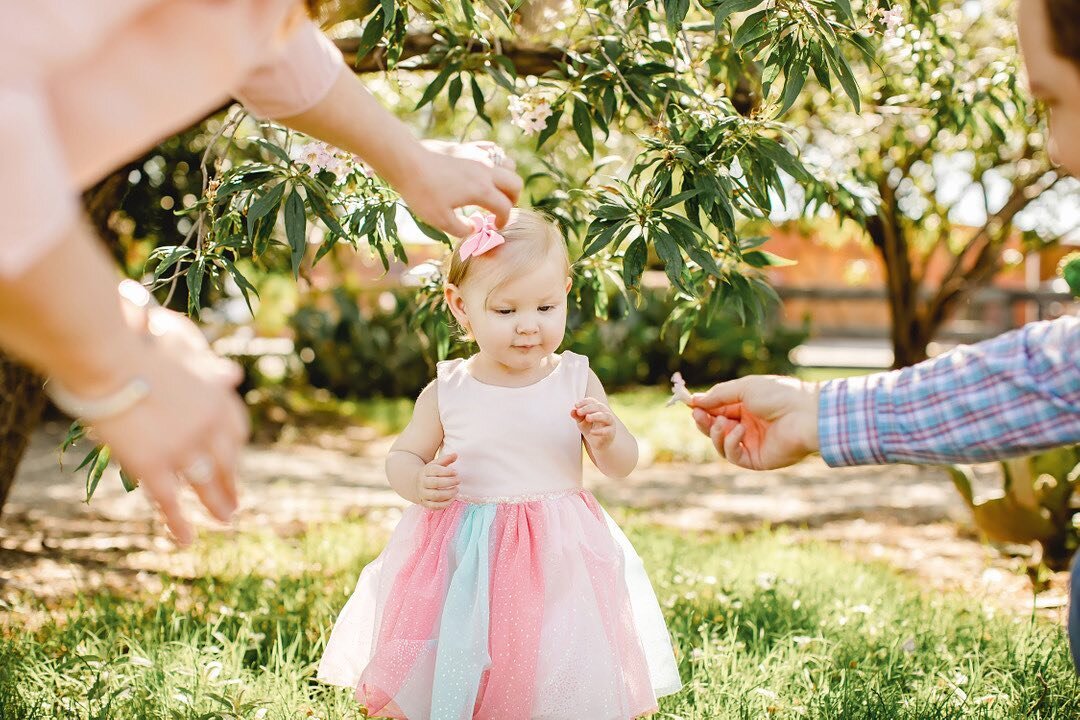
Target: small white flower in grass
point(182, 698)
point(212, 670)
point(959, 678)
point(908, 646)
point(140, 661)
point(766, 581)
point(261, 713)
point(992, 577)
point(960, 696)
point(862, 609)
point(766, 693)
point(796, 604)
point(802, 640)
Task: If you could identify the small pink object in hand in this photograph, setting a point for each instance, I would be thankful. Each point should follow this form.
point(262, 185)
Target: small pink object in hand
point(484, 238)
point(679, 393)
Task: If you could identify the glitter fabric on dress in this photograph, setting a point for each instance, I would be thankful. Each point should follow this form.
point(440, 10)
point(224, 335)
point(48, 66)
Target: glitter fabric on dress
point(520, 601)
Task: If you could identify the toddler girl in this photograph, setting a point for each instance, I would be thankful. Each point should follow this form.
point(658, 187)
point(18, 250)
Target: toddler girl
point(506, 592)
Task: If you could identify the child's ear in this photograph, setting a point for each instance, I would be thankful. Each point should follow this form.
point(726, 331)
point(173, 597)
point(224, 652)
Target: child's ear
point(456, 302)
point(569, 284)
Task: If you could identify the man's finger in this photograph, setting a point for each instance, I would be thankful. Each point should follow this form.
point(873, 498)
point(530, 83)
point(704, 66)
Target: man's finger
point(725, 393)
point(716, 434)
point(704, 421)
point(732, 449)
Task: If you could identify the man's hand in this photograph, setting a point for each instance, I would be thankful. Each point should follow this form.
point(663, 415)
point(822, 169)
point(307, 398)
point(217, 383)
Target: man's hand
point(760, 422)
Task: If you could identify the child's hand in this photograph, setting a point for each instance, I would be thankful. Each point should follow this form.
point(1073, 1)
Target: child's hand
point(437, 483)
point(596, 422)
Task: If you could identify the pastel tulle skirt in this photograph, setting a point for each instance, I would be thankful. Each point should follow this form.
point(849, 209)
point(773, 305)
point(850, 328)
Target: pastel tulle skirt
point(527, 610)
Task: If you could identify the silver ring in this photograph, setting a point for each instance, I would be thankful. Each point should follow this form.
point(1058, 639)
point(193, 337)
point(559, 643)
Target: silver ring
point(199, 471)
point(497, 155)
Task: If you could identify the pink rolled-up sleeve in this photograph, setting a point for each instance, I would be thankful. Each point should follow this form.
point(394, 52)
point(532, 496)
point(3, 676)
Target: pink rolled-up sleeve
point(38, 203)
point(297, 77)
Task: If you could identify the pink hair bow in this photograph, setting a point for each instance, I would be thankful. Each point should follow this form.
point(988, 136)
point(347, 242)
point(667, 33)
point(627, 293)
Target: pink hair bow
point(484, 237)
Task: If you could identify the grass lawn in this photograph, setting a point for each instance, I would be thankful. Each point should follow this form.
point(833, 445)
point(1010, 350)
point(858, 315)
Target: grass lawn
point(763, 628)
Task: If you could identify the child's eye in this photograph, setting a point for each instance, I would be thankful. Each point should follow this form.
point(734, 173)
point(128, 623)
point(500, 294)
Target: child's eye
point(502, 311)
point(545, 308)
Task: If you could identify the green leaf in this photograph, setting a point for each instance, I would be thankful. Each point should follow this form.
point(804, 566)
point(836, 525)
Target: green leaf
point(97, 469)
point(194, 284)
point(794, 80)
point(634, 260)
point(177, 252)
point(780, 157)
point(751, 29)
point(275, 150)
point(436, 85)
point(601, 239)
point(763, 258)
point(453, 92)
point(76, 431)
point(373, 32)
point(674, 265)
point(296, 229)
point(583, 126)
point(845, 7)
point(388, 14)
point(724, 9)
point(242, 282)
point(675, 12)
point(676, 199)
point(843, 73)
point(321, 205)
point(551, 127)
point(268, 202)
point(129, 483)
point(1071, 273)
point(478, 99)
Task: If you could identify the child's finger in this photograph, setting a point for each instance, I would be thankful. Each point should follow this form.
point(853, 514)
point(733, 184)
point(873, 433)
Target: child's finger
point(599, 417)
point(442, 495)
point(446, 459)
point(439, 471)
point(441, 483)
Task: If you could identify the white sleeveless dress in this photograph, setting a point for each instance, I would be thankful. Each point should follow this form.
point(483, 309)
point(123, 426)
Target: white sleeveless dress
point(522, 600)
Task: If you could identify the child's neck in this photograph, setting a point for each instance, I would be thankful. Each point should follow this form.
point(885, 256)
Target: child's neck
point(489, 370)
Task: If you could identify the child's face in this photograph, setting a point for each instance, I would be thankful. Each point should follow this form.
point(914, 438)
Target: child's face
point(520, 322)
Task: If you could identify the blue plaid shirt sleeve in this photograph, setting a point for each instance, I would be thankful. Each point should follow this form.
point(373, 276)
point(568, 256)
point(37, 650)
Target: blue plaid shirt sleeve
point(1013, 395)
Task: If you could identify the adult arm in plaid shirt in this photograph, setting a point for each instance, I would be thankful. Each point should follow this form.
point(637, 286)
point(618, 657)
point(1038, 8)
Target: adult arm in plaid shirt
point(1013, 395)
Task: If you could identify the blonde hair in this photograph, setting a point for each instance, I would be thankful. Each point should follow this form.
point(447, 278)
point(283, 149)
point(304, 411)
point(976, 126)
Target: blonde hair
point(530, 239)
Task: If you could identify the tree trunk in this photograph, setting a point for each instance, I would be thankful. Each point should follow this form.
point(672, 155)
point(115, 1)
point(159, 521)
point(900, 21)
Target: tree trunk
point(21, 402)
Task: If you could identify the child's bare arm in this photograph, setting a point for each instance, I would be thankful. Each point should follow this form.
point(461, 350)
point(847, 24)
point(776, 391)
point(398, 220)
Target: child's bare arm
point(610, 445)
point(411, 468)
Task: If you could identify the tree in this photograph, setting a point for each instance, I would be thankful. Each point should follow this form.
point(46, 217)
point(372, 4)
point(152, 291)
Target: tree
point(946, 122)
point(692, 96)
